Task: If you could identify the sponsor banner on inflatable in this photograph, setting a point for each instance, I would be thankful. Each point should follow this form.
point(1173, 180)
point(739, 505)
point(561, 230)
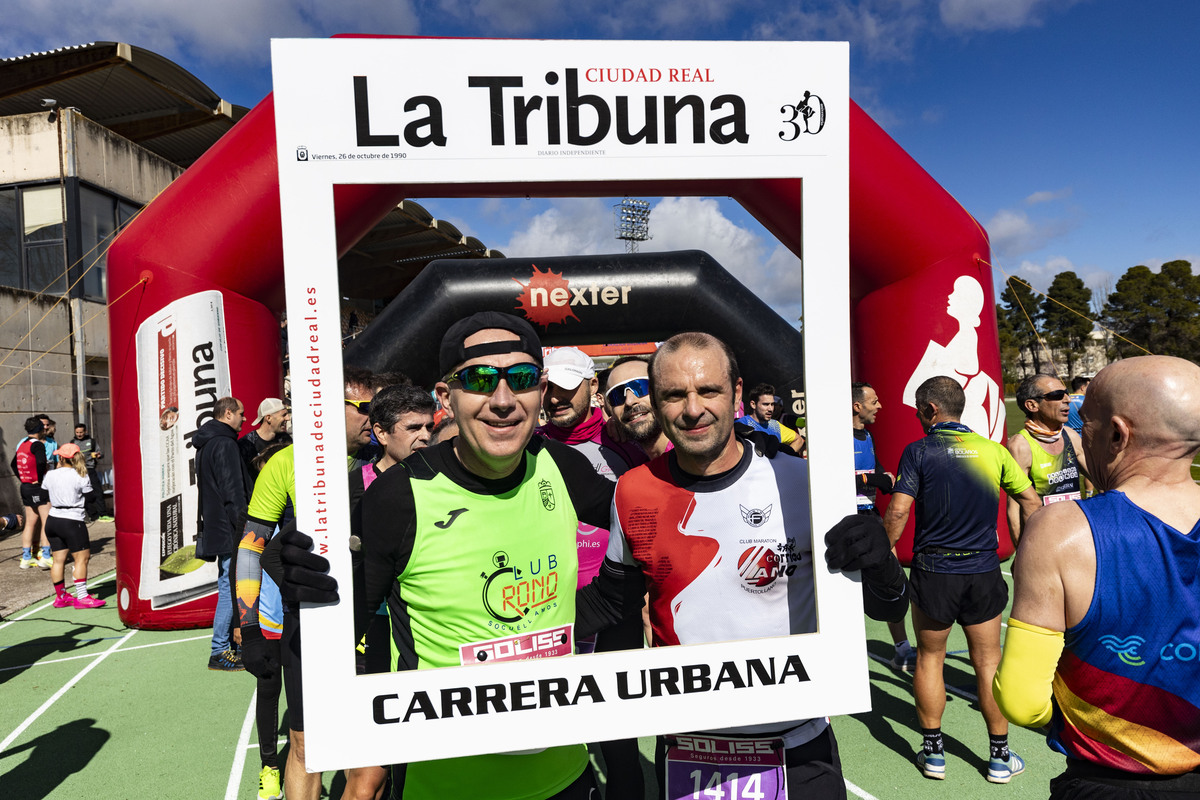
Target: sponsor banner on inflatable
point(518, 118)
point(182, 361)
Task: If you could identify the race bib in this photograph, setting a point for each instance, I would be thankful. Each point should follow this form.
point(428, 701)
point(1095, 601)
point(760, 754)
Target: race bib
point(717, 768)
point(1059, 498)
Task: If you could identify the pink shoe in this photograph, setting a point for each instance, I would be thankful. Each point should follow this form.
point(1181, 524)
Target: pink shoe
point(89, 601)
point(64, 601)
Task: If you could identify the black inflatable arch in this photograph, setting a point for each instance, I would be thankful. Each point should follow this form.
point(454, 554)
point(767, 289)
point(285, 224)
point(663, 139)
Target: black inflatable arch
point(630, 297)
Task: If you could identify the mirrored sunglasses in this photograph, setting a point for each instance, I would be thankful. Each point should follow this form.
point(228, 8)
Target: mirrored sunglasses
point(639, 386)
point(483, 378)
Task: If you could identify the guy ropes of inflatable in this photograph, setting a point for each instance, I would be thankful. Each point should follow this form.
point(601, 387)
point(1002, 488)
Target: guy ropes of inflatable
point(205, 322)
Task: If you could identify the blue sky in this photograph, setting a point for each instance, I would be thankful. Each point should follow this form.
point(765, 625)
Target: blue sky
point(1069, 128)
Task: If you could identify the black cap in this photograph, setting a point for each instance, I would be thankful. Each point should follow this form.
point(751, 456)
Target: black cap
point(452, 352)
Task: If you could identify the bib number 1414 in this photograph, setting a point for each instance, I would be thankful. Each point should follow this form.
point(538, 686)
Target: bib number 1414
point(731, 786)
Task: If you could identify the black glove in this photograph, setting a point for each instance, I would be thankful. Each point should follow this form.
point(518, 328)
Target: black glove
point(877, 480)
point(302, 576)
point(860, 542)
point(256, 656)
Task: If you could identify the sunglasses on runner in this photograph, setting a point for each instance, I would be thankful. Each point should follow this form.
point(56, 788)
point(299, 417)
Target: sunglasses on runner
point(639, 386)
point(1056, 395)
point(484, 378)
point(363, 406)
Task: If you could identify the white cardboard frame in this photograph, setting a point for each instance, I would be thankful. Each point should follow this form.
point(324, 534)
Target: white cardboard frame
point(318, 148)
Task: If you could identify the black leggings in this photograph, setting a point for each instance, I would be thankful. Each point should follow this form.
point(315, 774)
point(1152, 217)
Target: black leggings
point(266, 710)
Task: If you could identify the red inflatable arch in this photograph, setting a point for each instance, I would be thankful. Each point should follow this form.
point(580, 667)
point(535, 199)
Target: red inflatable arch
point(921, 292)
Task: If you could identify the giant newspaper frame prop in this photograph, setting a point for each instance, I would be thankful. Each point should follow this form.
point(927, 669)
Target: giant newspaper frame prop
point(347, 113)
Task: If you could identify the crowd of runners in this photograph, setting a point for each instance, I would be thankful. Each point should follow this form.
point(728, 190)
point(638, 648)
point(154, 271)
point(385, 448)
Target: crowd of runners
point(657, 476)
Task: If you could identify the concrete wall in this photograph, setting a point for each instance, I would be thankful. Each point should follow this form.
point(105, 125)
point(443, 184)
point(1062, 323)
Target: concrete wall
point(29, 152)
point(101, 157)
point(28, 149)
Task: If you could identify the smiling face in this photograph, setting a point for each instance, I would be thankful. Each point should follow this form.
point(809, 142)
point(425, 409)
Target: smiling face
point(494, 428)
point(697, 407)
point(278, 422)
point(566, 407)
point(633, 414)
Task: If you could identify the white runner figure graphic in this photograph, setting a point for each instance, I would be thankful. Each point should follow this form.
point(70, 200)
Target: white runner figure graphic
point(959, 359)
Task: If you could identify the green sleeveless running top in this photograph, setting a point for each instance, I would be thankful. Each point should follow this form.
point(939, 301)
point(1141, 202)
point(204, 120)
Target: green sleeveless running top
point(1055, 477)
point(491, 577)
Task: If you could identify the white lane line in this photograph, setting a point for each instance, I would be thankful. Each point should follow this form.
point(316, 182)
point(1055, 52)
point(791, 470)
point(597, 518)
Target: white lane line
point(859, 792)
point(50, 601)
point(66, 687)
point(93, 655)
point(239, 752)
point(887, 662)
point(172, 641)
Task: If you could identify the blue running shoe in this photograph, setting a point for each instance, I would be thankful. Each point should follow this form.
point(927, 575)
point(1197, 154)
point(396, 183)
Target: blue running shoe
point(933, 765)
point(1003, 771)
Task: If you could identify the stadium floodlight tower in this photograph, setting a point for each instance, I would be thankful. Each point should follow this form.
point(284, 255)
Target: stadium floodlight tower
point(632, 218)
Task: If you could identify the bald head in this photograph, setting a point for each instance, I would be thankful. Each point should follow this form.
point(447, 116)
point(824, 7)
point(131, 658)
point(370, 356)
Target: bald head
point(1149, 401)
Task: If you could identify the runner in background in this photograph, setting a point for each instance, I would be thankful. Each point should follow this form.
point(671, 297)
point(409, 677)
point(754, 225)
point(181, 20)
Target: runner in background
point(954, 477)
point(868, 479)
point(1050, 452)
point(266, 637)
point(1079, 387)
point(30, 464)
point(66, 527)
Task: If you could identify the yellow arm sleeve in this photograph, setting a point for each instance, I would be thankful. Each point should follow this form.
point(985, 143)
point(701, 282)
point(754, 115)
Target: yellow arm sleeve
point(786, 434)
point(1023, 686)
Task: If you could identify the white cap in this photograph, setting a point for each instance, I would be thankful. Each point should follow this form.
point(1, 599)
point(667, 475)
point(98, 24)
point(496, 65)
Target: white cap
point(567, 367)
point(272, 405)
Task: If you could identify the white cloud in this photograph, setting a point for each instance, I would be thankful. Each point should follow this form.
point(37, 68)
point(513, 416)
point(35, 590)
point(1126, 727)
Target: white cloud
point(886, 30)
point(990, 15)
point(1039, 274)
point(1046, 197)
point(569, 227)
point(585, 227)
point(1014, 233)
point(514, 17)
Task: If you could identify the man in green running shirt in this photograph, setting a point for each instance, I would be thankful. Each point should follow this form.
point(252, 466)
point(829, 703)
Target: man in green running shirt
point(496, 502)
point(1049, 452)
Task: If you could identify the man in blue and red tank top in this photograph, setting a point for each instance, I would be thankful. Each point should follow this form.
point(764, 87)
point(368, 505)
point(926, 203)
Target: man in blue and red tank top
point(1104, 638)
point(30, 464)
